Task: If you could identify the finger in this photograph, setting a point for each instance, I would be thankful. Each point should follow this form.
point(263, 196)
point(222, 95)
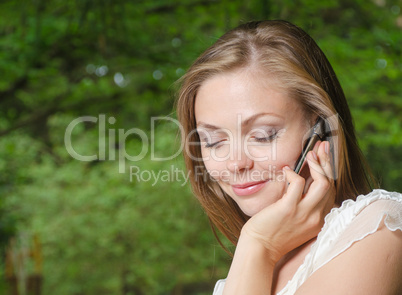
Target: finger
point(296, 185)
point(305, 173)
point(316, 146)
point(323, 155)
point(304, 166)
point(320, 184)
point(309, 181)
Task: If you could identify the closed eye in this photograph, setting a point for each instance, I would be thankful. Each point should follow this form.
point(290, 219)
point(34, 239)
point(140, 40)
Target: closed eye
point(266, 139)
point(262, 135)
point(213, 144)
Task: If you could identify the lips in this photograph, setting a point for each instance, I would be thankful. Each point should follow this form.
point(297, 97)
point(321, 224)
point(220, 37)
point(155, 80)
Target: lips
point(248, 188)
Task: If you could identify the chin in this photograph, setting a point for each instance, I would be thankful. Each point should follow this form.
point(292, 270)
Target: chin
point(252, 206)
point(252, 209)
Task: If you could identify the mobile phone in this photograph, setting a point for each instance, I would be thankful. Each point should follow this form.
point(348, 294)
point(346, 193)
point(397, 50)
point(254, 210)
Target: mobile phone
point(317, 133)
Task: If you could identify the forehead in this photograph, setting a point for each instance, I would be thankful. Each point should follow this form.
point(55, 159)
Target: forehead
point(224, 97)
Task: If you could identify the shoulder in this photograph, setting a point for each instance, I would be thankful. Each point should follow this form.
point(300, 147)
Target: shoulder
point(370, 266)
point(356, 219)
point(390, 199)
point(365, 255)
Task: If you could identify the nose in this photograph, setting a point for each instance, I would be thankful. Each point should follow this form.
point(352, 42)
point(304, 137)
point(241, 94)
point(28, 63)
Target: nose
point(239, 162)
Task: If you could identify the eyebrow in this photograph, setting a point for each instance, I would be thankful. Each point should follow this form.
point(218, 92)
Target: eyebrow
point(244, 123)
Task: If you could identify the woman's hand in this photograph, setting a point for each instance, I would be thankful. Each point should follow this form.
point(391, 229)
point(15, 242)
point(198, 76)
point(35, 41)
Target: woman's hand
point(296, 217)
point(283, 226)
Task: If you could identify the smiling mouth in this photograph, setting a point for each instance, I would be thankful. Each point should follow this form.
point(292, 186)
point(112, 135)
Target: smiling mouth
point(248, 188)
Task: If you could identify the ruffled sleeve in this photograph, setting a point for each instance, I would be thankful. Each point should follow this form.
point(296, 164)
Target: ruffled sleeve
point(346, 225)
point(218, 290)
point(343, 227)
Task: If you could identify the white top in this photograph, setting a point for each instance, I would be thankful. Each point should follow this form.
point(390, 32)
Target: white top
point(343, 226)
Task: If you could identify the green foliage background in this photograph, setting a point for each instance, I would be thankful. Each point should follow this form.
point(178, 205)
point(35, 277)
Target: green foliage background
point(102, 232)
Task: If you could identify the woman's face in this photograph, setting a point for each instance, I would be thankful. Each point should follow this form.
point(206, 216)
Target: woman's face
point(249, 130)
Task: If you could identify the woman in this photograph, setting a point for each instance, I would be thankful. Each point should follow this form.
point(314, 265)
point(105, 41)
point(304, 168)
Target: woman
point(247, 105)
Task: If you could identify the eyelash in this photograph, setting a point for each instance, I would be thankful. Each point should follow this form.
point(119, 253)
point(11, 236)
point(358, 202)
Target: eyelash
point(211, 145)
point(266, 139)
point(258, 139)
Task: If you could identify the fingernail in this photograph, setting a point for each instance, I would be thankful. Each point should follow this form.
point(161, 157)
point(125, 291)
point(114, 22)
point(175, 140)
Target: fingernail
point(286, 168)
point(326, 147)
point(315, 155)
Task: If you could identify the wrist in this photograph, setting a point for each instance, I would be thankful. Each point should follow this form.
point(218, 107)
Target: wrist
point(257, 246)
point(252, 268)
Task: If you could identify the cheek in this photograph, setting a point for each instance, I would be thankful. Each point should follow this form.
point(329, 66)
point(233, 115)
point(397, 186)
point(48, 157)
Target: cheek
point(287, 154)
point(217, 169)
point(278, 156)
point(218, 154)
point(261, 153)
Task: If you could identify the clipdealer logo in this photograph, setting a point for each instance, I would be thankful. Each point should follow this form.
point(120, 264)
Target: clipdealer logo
point(234, 144)
point(122, 155)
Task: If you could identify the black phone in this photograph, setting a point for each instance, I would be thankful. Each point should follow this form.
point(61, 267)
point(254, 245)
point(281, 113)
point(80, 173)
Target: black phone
point(317, 132)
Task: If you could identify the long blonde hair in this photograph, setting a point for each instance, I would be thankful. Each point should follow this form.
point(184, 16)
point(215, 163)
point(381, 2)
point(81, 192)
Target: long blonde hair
point(291, 55)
